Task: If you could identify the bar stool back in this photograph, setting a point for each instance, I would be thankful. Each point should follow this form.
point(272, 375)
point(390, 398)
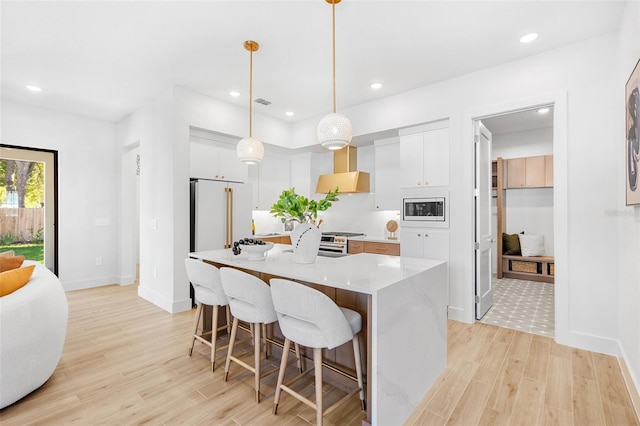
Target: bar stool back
point(250, 301)
point(208, 290)
point(310, 318)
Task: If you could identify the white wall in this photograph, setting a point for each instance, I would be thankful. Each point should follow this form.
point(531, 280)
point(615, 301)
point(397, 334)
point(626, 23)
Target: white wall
point(88, 177)
point(627, 218)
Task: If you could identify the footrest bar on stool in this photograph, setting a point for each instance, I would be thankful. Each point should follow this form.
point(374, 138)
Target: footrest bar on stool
point(324, 364)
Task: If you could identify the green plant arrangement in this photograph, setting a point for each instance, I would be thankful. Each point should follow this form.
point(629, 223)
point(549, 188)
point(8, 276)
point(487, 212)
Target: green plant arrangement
point(291, 206)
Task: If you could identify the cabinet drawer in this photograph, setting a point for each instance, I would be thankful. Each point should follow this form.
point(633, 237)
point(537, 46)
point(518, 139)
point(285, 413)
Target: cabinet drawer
point(382, 248)
point(355, 247)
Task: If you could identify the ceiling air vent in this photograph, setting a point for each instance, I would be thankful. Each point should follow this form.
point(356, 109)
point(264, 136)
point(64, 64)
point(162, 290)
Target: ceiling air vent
point(262, 101)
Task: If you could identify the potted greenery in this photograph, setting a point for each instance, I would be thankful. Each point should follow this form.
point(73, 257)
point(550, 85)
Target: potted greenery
point(305, 237)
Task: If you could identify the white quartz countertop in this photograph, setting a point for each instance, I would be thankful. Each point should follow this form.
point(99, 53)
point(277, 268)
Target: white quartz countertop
point(363, 273)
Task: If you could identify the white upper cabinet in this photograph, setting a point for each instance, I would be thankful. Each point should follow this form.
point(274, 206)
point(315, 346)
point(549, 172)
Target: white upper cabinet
point(269, 178)
point(305, 170)
point(208, 161)
point(387, 175)
point(424, 158)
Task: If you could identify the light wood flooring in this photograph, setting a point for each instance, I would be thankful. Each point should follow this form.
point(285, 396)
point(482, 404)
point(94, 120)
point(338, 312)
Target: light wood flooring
point(125, 362)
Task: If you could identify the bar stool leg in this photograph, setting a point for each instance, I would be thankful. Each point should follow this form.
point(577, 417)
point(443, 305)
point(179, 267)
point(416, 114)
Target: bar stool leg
point(297, 348)
point(257, 349)
point(356, 354)
point(283, 366)
point(228, 319)
point(317, 361)
point(195, 327)
point(232, 340)
point(264, 340)
point(214, 335)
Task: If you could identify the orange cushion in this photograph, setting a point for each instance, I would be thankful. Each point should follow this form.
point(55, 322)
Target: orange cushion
point(14, 279)
point(10, 262)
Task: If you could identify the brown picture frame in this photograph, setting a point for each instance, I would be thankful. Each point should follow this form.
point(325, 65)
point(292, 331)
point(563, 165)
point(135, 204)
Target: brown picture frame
point(632, 137)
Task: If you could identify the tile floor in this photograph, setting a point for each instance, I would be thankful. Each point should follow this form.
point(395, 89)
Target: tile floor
point(522, 305)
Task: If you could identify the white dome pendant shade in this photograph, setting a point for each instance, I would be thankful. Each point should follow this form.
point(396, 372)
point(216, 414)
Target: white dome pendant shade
point(250, 150)
point(334, 130)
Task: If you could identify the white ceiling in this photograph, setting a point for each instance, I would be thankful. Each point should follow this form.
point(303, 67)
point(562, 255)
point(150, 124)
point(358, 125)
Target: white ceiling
point(519, 121)
point(103, 59)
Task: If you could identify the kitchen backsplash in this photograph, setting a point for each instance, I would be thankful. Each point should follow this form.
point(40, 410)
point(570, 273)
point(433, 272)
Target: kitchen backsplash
point(353, 213)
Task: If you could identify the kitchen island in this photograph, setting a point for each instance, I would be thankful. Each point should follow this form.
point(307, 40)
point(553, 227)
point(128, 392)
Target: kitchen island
point(403, 302)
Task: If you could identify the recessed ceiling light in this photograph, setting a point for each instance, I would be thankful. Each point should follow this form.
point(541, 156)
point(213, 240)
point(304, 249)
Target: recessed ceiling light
point(234, 93)
point(289, 113)
point(376, 85)
point(34, 88)
point(528, 38)
point(543, 110)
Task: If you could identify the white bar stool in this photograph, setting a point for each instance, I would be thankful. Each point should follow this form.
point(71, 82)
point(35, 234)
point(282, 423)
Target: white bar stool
point(208, 290)
point(310, 318)
point(250, 301)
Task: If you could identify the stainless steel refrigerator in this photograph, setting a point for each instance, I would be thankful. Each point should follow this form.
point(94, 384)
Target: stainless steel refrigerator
point(220, 213)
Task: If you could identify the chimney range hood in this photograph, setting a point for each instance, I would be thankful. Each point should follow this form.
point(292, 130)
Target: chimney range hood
point(344, 176)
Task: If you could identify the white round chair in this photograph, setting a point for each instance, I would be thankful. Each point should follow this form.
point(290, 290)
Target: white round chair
point(208, 290)
point(310, 318)
point(250, 301)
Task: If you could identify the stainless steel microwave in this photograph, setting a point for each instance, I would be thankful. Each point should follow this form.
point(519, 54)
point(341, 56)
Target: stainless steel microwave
point(427, 209)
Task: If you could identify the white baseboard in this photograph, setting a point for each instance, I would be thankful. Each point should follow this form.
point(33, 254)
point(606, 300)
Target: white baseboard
point(127, 280)
point(170, 306)
point(83, 284)
point(458, 314)
point(155, 298)
point(592, 343)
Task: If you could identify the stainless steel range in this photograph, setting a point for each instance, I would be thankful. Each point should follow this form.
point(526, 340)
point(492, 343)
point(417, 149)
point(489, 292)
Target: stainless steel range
point(337, 242)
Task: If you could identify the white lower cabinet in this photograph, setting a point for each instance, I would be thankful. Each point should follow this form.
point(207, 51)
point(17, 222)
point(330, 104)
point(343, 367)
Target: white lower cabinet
point(427, 243)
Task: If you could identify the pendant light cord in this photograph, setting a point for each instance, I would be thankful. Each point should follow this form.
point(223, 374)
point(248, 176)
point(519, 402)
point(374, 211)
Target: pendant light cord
point(333, 35)
point(250, 93)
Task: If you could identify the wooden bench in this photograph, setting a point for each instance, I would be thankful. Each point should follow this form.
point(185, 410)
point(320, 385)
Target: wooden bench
point(538, 268)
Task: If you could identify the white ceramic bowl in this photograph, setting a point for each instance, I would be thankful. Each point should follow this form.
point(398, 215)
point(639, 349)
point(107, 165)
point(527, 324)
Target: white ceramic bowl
point(256, 252)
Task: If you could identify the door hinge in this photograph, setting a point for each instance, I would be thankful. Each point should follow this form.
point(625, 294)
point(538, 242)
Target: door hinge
point(476, 246)
point(476, 138)
point(477, 299)
point(476, 192)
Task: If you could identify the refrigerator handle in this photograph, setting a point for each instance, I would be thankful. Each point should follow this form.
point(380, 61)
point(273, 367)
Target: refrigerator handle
point(228, 237)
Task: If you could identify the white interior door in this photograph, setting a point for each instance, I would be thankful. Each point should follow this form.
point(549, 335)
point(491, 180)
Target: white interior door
point(483, 236)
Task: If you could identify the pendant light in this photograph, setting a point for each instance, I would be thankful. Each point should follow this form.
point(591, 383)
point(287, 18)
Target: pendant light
point(334, 130)
point(249, 149)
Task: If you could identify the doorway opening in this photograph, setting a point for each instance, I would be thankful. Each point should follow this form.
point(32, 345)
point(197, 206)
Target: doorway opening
point(29, 204)
point(522, 210)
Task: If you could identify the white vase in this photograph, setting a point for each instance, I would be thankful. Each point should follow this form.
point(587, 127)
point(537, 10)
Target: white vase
point(305, 240)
